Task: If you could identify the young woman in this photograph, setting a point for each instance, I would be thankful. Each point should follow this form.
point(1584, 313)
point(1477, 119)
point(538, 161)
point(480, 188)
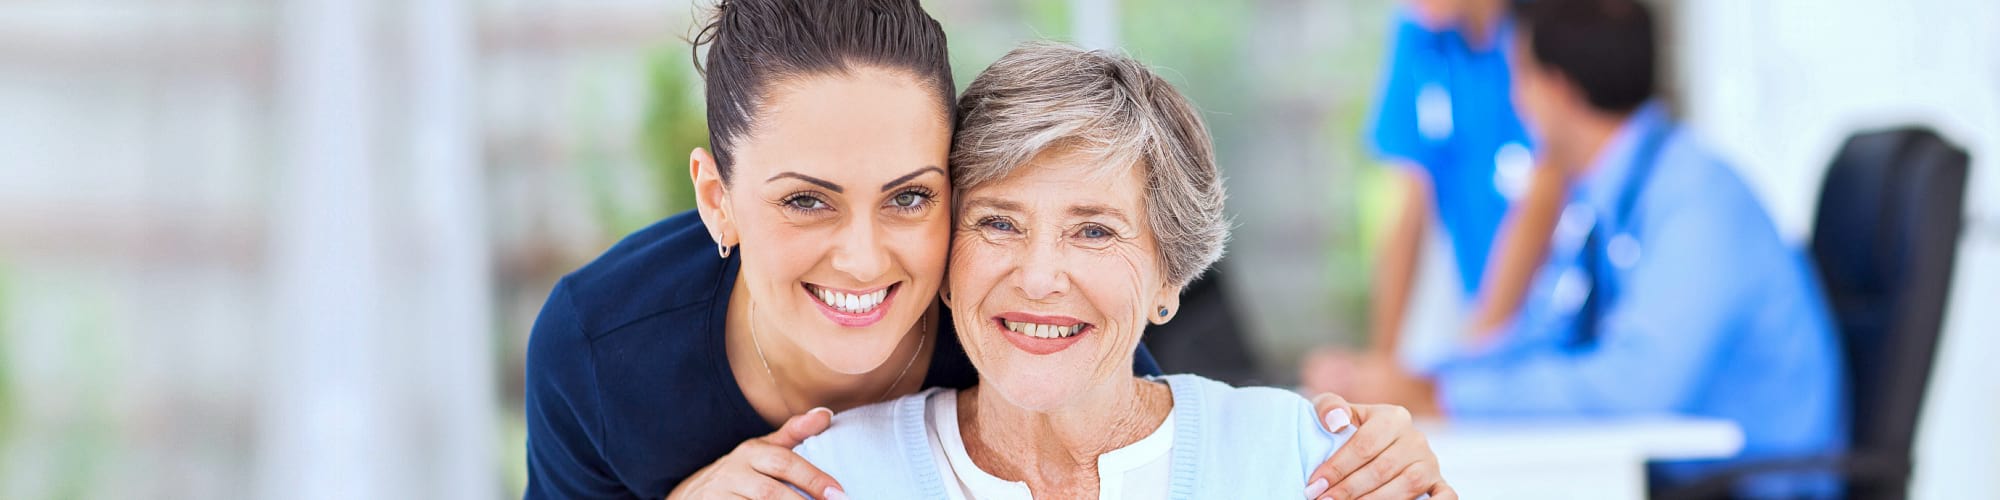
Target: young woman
point(693, 355)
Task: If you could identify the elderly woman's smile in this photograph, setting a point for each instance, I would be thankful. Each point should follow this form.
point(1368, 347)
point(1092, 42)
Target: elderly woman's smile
point(1041, 334)
point(1055, 263)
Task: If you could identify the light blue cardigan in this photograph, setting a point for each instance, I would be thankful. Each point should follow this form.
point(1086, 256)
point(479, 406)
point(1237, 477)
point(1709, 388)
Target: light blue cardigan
point(1229, 442)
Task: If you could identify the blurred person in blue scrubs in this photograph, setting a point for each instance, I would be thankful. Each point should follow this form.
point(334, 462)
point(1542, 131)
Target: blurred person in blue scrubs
point(1667, 289)
point(1447, 124)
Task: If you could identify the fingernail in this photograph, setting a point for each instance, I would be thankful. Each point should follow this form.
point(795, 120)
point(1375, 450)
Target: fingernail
point(1337, 419)
point(833, 493)
point(1318, 487)
point(829, 413)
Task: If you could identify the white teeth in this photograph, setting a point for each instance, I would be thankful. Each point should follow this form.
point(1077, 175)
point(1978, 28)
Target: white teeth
point(850, 303)
point(1041, 331)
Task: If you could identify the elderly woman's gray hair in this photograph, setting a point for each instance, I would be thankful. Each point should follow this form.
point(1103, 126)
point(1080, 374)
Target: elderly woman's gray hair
point(1045, 95)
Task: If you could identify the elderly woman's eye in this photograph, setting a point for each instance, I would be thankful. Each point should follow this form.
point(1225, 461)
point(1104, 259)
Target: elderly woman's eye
point(997, 224)
point(1093, 232)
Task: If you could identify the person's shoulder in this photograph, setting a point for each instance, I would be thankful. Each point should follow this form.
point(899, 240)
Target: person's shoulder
point(656, 275)
point(868, 449)
point(864, 430)
point(668, 266)
point(1254, 432)
point(1701, 188)
point(1264, 411)
point(1225, 398)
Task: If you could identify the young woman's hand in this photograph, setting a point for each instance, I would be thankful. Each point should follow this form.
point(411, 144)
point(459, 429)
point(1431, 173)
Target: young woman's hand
point(1386, 458)
point(765, 468)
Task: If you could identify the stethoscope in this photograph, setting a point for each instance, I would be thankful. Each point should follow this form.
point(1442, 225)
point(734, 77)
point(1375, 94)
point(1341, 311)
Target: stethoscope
point(1587, 288)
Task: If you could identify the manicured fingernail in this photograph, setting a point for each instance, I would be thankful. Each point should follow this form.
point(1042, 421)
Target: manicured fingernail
point(833, 493)
point(1318, 487)
point(829, 413)
point(1337, 419)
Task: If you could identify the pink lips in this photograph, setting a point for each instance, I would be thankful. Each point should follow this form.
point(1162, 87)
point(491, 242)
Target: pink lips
point(854, 320)
point(1036, 345)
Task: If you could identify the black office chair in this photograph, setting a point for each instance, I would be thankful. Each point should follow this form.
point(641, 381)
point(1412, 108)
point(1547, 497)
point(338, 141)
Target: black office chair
point(1887, 232)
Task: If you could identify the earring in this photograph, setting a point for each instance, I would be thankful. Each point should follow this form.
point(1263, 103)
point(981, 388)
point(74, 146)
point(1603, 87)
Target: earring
point(1163, 311)
point(722, 249)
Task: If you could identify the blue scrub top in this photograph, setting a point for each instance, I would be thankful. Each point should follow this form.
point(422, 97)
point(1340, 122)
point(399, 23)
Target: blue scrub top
point(629, 389)
point(1446, 107)
point(1709, 313)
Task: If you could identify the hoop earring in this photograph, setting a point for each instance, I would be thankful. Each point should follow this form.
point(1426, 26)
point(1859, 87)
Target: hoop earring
point(722, 250)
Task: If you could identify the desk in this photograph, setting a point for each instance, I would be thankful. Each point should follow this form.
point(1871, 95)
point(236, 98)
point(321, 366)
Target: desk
point(1571, 458)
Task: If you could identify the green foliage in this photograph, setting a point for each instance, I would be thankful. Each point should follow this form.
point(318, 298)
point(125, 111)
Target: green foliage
point(676, 123)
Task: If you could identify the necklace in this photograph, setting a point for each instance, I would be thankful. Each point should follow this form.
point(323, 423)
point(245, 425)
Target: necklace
point(923, 333)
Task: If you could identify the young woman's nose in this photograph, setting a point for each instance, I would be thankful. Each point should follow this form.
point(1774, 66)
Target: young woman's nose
point(861, 252)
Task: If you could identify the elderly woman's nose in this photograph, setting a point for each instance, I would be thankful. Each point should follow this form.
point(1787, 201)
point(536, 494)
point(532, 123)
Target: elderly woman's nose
point(860, 252)
point(1042, 273)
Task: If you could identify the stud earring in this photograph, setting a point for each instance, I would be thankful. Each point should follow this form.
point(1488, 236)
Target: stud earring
point(1163, 311)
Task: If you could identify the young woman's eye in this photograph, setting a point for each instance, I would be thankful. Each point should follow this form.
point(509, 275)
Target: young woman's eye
point(909, 200)
point(805, 203)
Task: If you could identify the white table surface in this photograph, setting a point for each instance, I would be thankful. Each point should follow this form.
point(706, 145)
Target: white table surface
point(1571, 458)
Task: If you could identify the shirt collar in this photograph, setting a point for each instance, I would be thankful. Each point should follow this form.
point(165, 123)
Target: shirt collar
point(1499, 34)
point(1608, 172)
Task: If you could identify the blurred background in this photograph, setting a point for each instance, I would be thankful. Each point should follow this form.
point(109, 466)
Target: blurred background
point(263, 249)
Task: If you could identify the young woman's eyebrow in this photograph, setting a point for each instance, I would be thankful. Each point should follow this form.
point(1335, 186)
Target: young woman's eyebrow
point(815, 180)
point(912, 175)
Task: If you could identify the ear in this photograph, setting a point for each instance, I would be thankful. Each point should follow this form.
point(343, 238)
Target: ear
point(1169, 299)
point(711, 197)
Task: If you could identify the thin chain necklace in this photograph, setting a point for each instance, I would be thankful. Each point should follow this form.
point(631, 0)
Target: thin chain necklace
point(923, 333)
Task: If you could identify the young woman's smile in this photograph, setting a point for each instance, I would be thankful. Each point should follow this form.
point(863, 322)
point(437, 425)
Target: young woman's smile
point(840, 202)
point(852, 308)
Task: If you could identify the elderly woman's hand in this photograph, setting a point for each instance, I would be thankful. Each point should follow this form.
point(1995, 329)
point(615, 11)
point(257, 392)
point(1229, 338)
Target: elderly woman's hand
point(1387, 458)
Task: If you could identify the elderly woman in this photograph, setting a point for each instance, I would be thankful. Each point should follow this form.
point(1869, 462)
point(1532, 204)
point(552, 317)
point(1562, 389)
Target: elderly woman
point(1087, 198)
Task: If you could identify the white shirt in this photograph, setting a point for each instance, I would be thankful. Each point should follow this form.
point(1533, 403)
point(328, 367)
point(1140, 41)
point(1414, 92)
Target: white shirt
point(1140, 470)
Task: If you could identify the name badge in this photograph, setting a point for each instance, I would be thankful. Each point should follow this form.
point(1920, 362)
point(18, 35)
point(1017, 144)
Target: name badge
point(1434, 112)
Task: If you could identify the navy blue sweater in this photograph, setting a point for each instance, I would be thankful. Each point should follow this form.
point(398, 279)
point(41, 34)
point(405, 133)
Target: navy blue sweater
point(629, 389)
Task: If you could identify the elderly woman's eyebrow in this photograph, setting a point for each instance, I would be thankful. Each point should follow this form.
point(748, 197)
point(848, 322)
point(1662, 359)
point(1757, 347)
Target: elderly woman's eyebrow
point(1097, 210)
point(994, 203)
point(815, 180)
point(912, 175)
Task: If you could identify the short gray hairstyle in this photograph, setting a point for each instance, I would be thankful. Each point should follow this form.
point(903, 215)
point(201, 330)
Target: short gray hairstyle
point(1046, 95)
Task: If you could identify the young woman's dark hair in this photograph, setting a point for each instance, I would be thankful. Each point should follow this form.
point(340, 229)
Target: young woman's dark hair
point(1605, 46)
point(755, 45)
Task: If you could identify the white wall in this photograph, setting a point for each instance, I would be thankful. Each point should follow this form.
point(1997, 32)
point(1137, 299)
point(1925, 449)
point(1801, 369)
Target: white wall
point(1777, 84)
